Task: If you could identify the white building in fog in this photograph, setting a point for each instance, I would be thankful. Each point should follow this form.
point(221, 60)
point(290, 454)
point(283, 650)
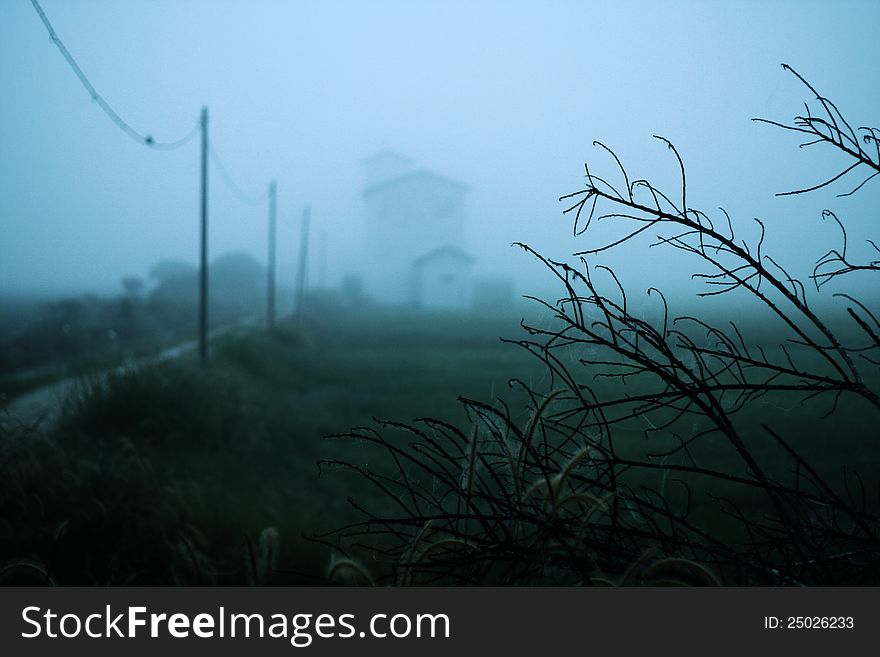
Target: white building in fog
point(414, 250)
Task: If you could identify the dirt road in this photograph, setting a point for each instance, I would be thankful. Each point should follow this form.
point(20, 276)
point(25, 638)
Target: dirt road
point(40, 407)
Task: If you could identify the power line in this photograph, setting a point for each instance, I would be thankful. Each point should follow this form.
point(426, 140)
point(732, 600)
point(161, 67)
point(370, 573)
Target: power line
point(231, 184)
point(146, 140)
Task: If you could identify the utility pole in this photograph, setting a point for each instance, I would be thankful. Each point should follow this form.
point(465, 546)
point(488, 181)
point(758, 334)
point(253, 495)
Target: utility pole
point(303, 261)
point(203, 259)
point(322, 260)
point(270, 284)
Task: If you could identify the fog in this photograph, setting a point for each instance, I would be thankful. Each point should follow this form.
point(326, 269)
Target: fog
point(506, 98)
point(414, 399)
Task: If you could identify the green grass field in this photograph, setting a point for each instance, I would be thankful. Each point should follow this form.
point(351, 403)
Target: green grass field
point(173, 474)
point(170, 473)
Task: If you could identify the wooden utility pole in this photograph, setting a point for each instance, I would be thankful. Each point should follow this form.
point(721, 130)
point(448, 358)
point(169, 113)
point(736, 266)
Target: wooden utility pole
point(303, 261)
point(203, 259)
point(270, 284)
point(322, 261)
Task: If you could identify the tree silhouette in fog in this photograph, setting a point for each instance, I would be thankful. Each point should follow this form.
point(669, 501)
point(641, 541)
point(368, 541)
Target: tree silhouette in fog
point(688, 449)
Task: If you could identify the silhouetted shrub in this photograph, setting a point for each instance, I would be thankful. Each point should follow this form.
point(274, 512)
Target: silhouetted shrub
point(662, 450)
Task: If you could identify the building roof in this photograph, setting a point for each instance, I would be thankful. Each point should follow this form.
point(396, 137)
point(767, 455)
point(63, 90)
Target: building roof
point(413, 177)
point(385, 154)
point(446, 251)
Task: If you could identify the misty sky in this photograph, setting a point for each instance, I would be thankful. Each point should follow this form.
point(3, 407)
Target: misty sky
point(505, 96)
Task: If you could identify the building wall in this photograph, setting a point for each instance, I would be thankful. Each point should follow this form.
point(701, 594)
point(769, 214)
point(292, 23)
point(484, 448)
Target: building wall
point(405, 219)
point(443, 284)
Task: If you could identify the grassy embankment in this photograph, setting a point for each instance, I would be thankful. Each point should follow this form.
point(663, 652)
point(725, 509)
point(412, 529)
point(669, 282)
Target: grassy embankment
point(173, 474)
point(170, 474)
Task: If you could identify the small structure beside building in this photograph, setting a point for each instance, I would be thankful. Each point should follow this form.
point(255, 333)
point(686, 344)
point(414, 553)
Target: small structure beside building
point(442, 278)
point(414, 247)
